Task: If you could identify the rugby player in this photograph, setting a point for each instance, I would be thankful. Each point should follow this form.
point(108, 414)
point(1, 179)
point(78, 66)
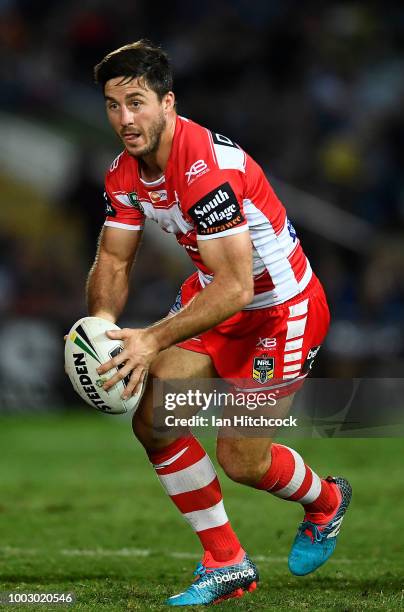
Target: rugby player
point(253, 311)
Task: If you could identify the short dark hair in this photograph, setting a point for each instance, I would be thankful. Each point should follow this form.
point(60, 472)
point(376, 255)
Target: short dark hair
point(141, 59)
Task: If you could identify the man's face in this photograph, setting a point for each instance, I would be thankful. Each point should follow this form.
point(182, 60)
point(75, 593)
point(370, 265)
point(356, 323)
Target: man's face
point(136, 114)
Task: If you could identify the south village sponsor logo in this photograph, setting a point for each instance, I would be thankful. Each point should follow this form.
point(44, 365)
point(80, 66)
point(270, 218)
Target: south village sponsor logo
point(217, 211)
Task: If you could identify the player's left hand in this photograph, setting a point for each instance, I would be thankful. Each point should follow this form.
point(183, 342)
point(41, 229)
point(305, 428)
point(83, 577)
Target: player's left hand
point(140, 348)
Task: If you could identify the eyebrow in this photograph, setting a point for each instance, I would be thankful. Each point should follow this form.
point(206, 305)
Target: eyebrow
point(127, 97)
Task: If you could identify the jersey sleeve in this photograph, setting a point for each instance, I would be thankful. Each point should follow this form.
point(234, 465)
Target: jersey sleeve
point(122, 209)
point(215, 204)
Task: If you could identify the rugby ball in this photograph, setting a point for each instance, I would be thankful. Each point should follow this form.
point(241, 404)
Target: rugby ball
point(86, 348)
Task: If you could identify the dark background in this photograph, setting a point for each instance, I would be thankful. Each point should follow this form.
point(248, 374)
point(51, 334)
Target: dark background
point(312, 90)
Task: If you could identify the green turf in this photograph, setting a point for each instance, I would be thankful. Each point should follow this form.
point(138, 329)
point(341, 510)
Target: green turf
point(81, 510)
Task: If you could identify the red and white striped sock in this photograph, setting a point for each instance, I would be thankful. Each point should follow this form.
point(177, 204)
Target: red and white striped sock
point(187, 474)
point(290, 478)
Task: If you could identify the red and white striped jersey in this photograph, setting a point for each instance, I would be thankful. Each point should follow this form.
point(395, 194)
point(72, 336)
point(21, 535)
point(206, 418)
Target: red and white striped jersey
point(212, 188)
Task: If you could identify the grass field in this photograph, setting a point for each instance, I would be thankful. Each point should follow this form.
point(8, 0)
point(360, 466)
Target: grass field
point(81, 510)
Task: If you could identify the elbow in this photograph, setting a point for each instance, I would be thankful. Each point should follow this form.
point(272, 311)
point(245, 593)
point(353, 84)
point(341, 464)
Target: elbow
point(247, 297)
point(238, 292)
point(244, 295)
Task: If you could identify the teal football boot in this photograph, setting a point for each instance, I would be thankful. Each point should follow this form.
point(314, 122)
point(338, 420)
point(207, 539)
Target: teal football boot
point(215, 584)
point(315, 543)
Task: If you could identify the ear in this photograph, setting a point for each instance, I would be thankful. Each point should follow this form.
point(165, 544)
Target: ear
point(169, 102)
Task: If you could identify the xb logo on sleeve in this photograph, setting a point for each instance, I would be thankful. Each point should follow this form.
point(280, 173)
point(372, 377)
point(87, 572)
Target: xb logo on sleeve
point(197, 167)
point(263, 369)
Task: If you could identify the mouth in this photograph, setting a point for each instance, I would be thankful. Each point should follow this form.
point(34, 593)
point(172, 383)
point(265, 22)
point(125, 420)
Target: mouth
point(131, 137)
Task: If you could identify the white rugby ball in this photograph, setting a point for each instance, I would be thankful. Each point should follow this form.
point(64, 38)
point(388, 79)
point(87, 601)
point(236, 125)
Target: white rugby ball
point(86, 348)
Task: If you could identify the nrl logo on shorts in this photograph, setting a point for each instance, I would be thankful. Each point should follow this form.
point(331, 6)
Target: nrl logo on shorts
point(263, 369)
point(134, 201)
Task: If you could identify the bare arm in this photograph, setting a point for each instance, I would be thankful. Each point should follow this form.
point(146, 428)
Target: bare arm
point(108, 280)
point(230, 259)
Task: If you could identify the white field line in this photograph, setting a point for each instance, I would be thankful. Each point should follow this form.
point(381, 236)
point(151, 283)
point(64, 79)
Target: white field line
point(144, 552)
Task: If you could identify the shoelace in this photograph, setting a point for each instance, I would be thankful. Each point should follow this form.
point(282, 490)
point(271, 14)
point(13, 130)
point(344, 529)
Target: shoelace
point(200, 570)
point(318, 535)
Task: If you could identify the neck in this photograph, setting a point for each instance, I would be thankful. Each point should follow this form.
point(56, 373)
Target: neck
point(152, 166)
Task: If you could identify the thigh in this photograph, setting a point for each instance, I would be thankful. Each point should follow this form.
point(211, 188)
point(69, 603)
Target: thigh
point(179, 363)
point(260, 435)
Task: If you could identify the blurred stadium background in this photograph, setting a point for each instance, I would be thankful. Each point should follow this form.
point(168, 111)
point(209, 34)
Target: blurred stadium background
point(313, 90)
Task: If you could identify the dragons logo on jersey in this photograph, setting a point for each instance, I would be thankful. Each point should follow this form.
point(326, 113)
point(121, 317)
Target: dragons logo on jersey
point(218, 211)
point(263, 369)
point(134, 201)
point(176, 307)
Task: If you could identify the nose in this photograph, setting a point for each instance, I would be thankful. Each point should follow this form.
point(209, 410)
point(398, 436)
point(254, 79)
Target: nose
point(126, 116)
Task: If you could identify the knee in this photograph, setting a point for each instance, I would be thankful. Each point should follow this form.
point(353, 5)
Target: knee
point(148, 428)
point(139, 426)
point(143, 426)
point(239, 466)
